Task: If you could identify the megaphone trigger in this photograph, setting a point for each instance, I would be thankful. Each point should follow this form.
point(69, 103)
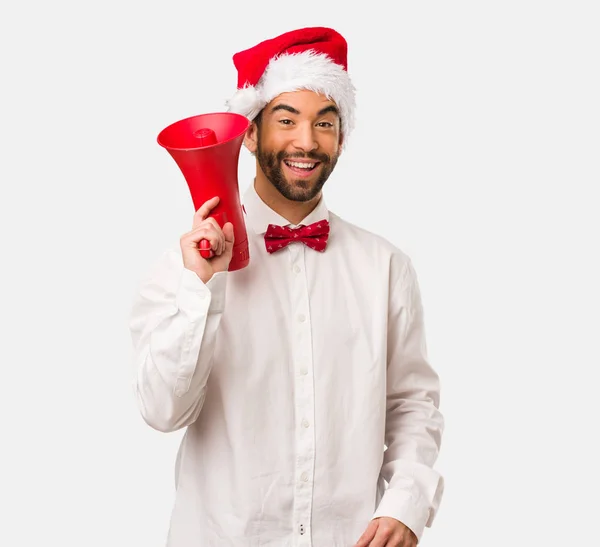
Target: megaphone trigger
point(205, 250)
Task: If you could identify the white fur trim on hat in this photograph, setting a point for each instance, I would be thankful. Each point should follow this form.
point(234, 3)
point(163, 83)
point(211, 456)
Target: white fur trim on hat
point(292, 72)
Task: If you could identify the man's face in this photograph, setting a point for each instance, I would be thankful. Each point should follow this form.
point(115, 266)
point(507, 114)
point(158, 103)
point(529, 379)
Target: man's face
point(297, 143)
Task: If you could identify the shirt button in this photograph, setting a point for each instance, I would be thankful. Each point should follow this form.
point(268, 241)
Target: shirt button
point(301, 318)
point(304, 477)
point(297, 269)
point(304, 371)
point(305, 423)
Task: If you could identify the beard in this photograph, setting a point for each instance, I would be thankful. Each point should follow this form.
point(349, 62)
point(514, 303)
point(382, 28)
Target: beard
point(271, 164)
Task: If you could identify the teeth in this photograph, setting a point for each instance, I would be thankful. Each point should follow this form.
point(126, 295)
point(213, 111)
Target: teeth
point(300, 165)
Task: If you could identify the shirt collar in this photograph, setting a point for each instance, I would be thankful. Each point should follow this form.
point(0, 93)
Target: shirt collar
point(259, 215)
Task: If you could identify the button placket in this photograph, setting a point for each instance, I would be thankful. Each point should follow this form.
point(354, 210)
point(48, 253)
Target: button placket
point(303, 393)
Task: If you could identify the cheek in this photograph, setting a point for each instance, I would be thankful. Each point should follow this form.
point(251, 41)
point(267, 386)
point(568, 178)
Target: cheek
point(273, 143)
point(275, 140)
point(330, 142)
point(332, 150)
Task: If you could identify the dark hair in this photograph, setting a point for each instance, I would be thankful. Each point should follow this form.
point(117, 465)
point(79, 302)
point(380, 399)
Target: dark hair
point(258, 119)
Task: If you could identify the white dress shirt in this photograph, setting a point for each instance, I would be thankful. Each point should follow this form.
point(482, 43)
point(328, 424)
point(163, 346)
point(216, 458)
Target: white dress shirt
point(304, 385)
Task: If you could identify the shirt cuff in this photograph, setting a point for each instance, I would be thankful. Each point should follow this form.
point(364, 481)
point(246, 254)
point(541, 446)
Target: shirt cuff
point(217, 285)
point(400, 505)
point(192, 291)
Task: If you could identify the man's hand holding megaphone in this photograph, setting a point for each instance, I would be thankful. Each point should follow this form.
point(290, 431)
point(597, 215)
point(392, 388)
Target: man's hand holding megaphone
point(221, 243)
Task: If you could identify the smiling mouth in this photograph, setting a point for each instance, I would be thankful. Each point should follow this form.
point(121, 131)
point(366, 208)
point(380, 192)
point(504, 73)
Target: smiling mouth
point(302, 167)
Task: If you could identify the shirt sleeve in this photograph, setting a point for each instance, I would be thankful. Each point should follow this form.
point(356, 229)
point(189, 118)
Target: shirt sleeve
point(173, 324)
point(414, 424)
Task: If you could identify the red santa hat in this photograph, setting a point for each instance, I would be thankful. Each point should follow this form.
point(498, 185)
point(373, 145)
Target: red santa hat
point(312, 58)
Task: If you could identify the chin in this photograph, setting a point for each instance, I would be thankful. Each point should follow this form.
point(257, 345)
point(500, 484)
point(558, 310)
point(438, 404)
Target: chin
point(299, 191)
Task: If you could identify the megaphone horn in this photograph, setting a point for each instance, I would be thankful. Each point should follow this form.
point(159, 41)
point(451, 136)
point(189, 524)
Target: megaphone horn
point(206, 148)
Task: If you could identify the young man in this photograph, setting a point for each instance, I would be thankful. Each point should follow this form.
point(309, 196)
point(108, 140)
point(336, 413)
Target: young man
point(311, 410)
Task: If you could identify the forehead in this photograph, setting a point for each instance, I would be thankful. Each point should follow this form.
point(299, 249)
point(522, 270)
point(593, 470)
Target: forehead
point(305, 101)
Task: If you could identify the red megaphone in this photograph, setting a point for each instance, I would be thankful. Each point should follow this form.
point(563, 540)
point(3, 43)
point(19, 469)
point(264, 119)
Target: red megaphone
point(206, 149)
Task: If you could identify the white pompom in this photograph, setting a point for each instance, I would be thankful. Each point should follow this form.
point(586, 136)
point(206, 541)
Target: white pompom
point(246, 101)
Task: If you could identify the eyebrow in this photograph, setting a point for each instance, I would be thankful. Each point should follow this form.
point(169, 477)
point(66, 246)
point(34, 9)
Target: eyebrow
point(285, 107)
point(288, 108)
point(330, 108)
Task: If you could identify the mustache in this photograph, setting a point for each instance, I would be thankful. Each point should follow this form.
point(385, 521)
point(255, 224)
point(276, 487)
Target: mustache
point(323, 158)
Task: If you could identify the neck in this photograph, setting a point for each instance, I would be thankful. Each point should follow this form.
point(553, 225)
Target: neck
point(292, 211)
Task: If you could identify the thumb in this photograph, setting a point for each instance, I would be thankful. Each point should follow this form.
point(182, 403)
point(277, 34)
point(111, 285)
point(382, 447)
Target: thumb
point(228, 233)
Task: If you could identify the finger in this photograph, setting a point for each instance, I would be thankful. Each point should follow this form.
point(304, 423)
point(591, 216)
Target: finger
point(193, 239)
point(368, 534)
point(213, 222)
point(228, 233)
point(210, 221)
point(401, 541)
point(403, 538)
point(204, 210)
point(381, 538)
point(219, 230)
point(207, 227)
point(397, 540)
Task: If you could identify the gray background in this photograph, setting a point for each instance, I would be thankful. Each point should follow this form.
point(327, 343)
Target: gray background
point(476, 151)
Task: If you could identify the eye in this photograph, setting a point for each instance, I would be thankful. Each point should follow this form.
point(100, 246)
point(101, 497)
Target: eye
point(285, 121)
point(325, 124)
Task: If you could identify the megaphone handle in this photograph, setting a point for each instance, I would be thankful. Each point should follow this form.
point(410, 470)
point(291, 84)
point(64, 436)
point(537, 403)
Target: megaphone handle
point(204, 246)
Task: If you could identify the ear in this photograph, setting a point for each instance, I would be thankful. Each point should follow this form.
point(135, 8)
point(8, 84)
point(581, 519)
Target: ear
point(341, 142)
point(251, 138)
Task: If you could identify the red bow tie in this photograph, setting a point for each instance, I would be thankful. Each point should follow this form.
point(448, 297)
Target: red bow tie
point(314, 236)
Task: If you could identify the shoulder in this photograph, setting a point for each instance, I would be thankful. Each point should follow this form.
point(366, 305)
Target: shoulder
point(365, 245)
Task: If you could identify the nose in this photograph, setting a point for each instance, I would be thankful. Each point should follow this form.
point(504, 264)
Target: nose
point(304, 138)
